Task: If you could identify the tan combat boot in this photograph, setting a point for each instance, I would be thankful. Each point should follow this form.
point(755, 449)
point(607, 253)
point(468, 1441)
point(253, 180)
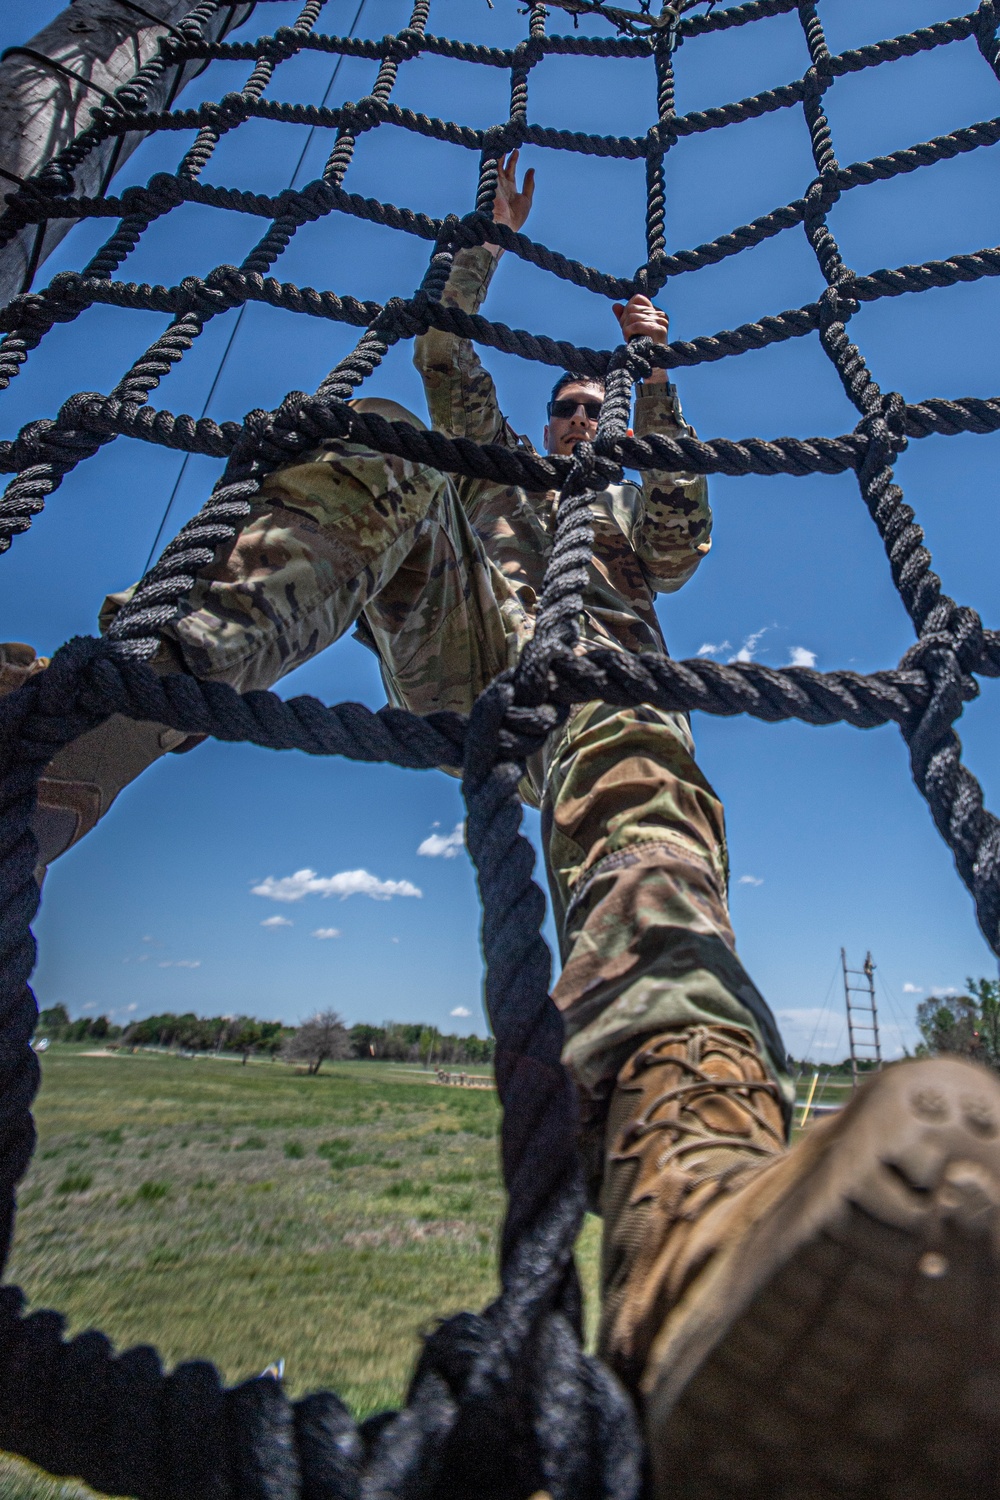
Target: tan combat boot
point(85, 777)
point(810, 1324)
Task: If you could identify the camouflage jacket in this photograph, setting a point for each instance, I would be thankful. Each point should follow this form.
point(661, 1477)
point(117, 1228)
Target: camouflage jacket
point(648, 539)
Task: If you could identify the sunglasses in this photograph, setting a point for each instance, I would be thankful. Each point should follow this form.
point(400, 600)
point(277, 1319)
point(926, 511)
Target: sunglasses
point(566, 409)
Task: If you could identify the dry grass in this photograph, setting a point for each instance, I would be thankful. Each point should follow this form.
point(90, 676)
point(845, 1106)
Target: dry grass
point(244, 1214)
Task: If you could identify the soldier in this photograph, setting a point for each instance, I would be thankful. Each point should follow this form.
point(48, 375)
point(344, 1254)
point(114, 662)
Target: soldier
point(748, 1290)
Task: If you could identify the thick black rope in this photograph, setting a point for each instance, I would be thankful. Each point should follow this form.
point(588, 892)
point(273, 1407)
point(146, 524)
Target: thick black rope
point(504, 1403)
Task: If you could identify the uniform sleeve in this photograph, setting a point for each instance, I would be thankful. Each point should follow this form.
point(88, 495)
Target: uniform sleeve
point(673, 526)
point(461, 396)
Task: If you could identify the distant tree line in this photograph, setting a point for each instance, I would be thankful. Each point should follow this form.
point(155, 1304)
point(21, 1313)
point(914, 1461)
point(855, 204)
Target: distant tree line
point(190, 1033)
point(320, 1038)
point(55, 1024)
point(399, 1041)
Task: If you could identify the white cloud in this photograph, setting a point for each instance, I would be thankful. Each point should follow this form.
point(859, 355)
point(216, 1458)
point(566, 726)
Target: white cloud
point(180, 963)
point(394, 940)
point(802, 657)
point(89, 1005)
point(147, 938)
point(326, 932)
point(707, 649)
point(346, 883)
point(912, 989)
point(444, 845)
point(460, 1010)
point(143, 958)
point(749, 647)
point(750, 880)
point(942, 990)
point(277, 922)
point(131, 1008)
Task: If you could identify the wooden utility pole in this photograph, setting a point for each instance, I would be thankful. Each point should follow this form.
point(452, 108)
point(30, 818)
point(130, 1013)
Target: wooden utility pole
point(49, 85)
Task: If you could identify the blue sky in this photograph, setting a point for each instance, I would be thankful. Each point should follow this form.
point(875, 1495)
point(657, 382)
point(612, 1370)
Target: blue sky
point(171, 903)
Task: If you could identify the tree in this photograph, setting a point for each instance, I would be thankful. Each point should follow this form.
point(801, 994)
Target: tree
point(272, 1038)
point(244, 1036)
point(52, 1020)
point(366, 1040)
point(985, 994)
point(949, 1023)
point(322, 1038)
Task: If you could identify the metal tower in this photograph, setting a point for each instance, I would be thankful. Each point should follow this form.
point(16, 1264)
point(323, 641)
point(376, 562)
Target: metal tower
point(862, 1015)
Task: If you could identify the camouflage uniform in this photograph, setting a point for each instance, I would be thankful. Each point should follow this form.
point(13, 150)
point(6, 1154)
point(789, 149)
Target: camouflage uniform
point(441, 576)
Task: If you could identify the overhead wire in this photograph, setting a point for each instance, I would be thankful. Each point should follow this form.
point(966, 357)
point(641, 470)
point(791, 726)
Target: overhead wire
point(897, 1020)
point(824, 1011)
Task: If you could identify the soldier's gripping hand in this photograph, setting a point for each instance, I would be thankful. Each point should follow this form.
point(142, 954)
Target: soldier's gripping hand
point(638, 318)
point(512, 205)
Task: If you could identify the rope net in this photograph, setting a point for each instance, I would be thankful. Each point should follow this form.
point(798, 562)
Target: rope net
point(506, 1402)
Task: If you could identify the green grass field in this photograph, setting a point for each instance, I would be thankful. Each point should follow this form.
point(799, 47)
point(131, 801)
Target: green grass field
point(245, 1214)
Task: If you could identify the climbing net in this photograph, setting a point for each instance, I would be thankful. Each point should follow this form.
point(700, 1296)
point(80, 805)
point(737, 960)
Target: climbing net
point(505, 1402)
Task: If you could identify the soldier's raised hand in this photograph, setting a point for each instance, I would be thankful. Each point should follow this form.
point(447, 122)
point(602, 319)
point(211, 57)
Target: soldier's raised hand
point(511, 206)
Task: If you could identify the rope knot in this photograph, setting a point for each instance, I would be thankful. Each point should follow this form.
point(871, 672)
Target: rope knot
point(639, 358)
point(482, 740)
point(405, 44)
point(59, 686)
point(821, 195)
point(660, 136)
point(934, 655)
point(582, 469)
point(66, 287)
point(529, 51)
point(400, 316)
point(499, 139)
point(955, 627)
point(165, 190)
point(226, 284)
point(473, 229)
point(364, 114)
point(31, 444)
point(884, 441)
point(199, 297)
point(233, 108)
point(835, 305)
point(284, 43)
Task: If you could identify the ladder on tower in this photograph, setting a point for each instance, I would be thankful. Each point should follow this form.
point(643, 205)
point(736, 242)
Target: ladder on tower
point(862, 1016)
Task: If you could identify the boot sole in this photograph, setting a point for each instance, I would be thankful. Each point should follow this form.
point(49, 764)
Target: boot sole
point(854, 1338)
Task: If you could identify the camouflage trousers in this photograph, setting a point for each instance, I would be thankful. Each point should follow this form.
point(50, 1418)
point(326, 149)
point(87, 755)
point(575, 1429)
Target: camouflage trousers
point(633, 832)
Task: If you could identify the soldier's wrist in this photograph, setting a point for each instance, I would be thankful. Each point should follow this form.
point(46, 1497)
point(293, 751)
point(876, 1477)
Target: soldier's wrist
point(662, 392)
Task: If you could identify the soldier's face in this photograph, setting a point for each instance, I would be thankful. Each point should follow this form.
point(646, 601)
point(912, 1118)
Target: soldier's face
point(563, 432)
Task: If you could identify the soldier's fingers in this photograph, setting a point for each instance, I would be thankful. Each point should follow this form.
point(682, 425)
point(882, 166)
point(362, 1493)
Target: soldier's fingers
point(618, 308)
point(528, 185)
